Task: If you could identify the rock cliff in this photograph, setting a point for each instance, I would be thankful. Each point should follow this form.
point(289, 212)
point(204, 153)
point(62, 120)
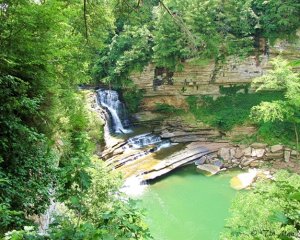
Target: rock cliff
point(201, 77)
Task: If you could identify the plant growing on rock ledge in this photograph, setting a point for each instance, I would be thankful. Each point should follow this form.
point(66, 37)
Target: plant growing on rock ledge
point(281, 78)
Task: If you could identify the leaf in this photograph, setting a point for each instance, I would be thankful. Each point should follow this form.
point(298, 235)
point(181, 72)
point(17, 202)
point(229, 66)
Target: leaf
point(75, 200)
point(295, 196)
point(279, 217)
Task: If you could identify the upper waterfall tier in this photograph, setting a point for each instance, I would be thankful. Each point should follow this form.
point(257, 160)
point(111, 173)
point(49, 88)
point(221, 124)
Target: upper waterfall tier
point(110, 100)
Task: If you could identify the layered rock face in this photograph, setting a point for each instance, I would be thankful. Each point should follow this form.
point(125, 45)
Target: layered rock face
point(202, 78)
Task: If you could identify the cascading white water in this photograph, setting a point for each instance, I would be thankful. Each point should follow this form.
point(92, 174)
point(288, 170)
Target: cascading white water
point(133, 187)
point(110, 100)
point(143, 140)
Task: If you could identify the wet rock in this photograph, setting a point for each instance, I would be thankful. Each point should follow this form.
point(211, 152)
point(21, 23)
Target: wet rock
point(274, 156)
point(294, 153)
point(188, 138)
point(243, 180)
point(247, 151)
point(118, 151)
point(276, 148)
point(232, 152)
point(248, 162)
point(184, 133)
point(287, 156)
point(239, 153)
point(201, 161)
point(234, 160)
point(225, 154)
point(255, 163)
point(209, 169)
point(259, 153)
point(167, 134)
point(217, 162)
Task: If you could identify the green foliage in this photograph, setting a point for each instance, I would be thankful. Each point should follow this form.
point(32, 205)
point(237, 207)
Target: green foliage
point(130, 50)
point(44, 54)
point(27, 163)
point(281, 78)
point(28, 233)
point(46, 136)
point(169, 41)
point(102, 212)
point(227, 111)
point(276, 132)
point(276, 19)
point(123, 221)
point(233, 89)
point(168, 109)
point(178, 30)
point(133, 98)
point(270, 211)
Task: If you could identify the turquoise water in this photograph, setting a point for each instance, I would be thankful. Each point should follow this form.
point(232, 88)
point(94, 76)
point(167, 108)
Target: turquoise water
point(186, 205)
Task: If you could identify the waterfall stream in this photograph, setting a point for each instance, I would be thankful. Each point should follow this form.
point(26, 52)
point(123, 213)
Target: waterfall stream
point(110, 100)
point(134, 148)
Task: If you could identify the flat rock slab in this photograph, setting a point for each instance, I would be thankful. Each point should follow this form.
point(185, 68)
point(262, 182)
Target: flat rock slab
point(276, 148)
point(192, 152)
point(209, 169)
point(189, 138)
point(243, 180)
point(205, 132)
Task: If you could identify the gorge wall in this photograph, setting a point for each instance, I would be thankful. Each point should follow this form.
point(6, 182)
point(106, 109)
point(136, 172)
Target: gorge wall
point(201, 78)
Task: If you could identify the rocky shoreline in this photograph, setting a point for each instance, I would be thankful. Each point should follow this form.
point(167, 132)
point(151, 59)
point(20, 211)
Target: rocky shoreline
point(251, 156)
point(203, 146)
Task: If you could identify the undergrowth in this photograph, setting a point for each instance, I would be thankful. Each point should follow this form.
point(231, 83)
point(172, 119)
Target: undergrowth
point(229, 111)
point(168, 109)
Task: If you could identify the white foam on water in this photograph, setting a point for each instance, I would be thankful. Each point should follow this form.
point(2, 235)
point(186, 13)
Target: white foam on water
point(134, 187)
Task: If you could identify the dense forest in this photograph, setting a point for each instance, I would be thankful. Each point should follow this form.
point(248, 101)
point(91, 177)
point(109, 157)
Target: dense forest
point(48, 137)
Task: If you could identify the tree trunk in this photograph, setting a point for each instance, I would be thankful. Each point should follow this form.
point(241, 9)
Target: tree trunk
point(297, 140)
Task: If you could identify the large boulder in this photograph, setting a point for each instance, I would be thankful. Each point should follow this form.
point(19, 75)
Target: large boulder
point(276, 148)
point(201, 160)
point(274, 156)
point(287, 155)
point(225, 154)
point(247, 151)
point(247, 161)
point(259, 153)
point(239, 153)
point(243, 180)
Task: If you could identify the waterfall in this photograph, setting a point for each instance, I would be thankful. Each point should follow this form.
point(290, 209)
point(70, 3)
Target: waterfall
point(143, 140)
point(110, 100)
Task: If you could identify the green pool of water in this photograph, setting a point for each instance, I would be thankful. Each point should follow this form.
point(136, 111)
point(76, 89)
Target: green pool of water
point(186, 205)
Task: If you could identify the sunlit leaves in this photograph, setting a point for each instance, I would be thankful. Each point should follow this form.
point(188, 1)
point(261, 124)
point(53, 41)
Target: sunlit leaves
point(270, 211)
point(270, 111)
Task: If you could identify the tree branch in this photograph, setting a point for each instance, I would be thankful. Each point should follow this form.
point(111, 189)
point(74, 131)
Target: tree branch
point(179, 21)
point(85, 19)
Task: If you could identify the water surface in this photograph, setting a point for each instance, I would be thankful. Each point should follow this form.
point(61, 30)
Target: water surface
point(186, 205)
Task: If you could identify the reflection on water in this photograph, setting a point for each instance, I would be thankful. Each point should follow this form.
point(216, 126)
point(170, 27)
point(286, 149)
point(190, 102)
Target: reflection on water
point(188, 205)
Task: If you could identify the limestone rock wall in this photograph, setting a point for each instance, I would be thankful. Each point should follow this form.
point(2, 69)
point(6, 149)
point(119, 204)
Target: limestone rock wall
point(196, 79)
point(255, 155)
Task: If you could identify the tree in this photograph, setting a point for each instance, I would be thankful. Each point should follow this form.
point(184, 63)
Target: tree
point(170, 43)
point(268, 212)
point(281, 78)
point(44, 55)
